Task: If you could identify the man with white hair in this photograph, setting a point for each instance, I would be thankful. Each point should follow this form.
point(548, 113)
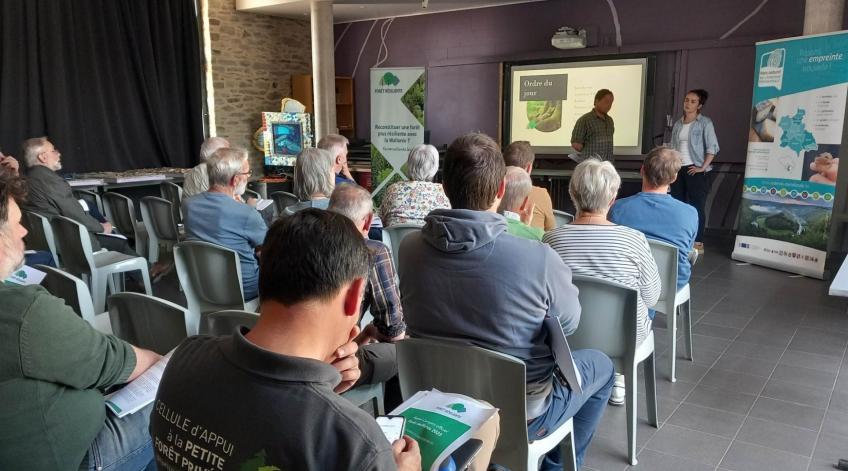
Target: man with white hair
point(53, 366)
point(215, 216)
point(516, 205)
point(50, 195)
point(336, 144)
point(197, 179)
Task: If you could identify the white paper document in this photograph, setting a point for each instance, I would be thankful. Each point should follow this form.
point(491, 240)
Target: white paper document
point(262, 204)
point(26, 275)
point(140, 392)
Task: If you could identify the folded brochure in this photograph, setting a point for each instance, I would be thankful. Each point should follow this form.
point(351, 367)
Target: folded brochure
point(441, 423)
point(140, 392)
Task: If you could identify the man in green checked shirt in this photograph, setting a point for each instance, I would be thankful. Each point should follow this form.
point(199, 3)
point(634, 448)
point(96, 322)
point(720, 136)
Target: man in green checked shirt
point(592, 134)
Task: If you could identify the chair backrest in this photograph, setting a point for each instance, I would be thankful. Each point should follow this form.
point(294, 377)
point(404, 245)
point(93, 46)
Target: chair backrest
point(210, 276)
point(666, 257)
point(74, 244)
point(251, 194)
point(282, 200)
point(91, 198)
point(148, 322)
point(40, 234)
point(158, 218)
point(476, 372)
point(71, 289)
point(562, 218)
point(608, 319)
point(121, 212)
point(224, 322)
point(393, 235)
point(173, 193)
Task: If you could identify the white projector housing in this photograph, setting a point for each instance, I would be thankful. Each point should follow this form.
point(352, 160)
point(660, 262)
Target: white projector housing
point(569, 38)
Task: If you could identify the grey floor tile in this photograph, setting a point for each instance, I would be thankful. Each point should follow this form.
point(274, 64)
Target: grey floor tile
point(709, 343)
point(724, 320)
point(707, 420)
point(839, 401)
point(650, 460)
point(704, 357)
point(690, 444)
point(788, 413)
point(746, 384)
point(676, 391)
point(746, 365)
point(722, 399)
point(831, 448)
point(686, 371)
point(822, 465)
point(778, 436)
point(613, 426)
point(765, 338)
point(797, 393)
point(810, 360)
point(605, 454)
point(819, 342)
point(747, 457)
point(717, 331)
point(836, 423)
point(804, 376)
point(753, 350)
point(831, 319)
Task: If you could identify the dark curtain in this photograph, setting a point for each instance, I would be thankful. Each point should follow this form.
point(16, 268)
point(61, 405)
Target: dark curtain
point(114, 84)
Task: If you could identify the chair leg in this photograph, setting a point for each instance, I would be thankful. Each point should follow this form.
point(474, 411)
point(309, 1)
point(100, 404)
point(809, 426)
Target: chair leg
point(686, 319)
point(671, 320)
point(651, 390)
point(152, 249)
point(630, 379)
point(568, 453)
point(98, 291)
point(145, 278)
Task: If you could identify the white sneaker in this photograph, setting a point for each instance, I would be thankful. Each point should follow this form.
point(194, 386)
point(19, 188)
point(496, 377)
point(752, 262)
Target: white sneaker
point(617, 396)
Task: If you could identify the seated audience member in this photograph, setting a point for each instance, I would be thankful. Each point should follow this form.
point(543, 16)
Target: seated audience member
point(50, 195)
point(520, 154)
point(197, 179)
point(279, 382)
point(216, 217)
point(313, 180)
point(408, 202)
point(381, 291)
point(655, 213)
point(593, 246)
point(516, 206)
point(336, 145)
point(464, 277)
point(53, 367)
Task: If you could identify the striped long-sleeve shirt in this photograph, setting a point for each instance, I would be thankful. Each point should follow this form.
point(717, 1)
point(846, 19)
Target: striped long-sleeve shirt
point(614, 253)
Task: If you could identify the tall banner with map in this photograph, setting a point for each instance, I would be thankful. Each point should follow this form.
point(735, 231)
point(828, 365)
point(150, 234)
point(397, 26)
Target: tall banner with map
point(794, 145)
point(397, 123)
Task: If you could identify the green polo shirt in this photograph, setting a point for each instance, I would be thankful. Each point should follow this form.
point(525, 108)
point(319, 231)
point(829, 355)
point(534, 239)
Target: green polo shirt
point(518, 228)
point(52, 367)
point(596, 135)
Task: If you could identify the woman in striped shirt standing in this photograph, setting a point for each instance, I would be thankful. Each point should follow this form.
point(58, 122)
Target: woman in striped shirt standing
point(593, 246)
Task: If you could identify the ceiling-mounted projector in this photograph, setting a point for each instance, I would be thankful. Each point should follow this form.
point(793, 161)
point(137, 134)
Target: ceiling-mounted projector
point(569, 38)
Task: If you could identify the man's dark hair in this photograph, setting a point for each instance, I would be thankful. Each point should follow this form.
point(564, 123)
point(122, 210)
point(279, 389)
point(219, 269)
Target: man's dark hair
point(311, 255)
point(601, 94)
point(519, 154)
point(11, 187)
point(702, 95)
point(474, 168)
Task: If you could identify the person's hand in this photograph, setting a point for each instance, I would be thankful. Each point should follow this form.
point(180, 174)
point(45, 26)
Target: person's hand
point(251, 202)
point(368, 335)
point(578, 146)
point(693, 169)
point(526, 213)
point(346, 171)
point(10, 163)
point(347, 364)
point(107, 227)
point(407, 454)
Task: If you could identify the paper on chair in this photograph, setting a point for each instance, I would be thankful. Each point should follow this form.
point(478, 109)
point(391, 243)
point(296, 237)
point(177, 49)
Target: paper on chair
point(26, 275)
point(140, 392)
point(562, 354)
point(262, 204)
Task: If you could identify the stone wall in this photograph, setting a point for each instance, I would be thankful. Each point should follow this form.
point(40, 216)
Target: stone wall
point(253, 59)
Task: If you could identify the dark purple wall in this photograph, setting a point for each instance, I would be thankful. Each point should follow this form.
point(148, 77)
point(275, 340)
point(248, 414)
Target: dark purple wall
point(462, 51)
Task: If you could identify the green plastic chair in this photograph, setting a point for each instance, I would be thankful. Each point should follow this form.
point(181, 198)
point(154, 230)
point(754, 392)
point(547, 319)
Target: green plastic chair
point(394, 235)
point(608, 324)
point(486, 375)
point(173, 193)
point(162, 229)
point(40, 234)
point(673, 302)
point(224, 322)
point(562, 218)
point(282, 200)
point(71, 289)
point(120, 209)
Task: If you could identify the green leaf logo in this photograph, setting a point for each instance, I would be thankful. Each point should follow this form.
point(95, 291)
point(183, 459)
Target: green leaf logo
point(389, 79)
point(457, 407)
point(21, 274)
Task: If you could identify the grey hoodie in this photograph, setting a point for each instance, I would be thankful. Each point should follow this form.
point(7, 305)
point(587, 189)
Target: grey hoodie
point(464, 277)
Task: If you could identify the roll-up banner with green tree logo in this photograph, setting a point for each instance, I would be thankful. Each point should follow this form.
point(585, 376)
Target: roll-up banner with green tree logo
point(397, 123)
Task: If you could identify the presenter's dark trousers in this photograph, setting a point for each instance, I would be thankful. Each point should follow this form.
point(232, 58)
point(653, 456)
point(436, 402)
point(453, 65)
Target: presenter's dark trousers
point(693, 189)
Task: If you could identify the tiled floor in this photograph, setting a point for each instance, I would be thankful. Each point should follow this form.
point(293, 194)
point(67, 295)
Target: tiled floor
point(768, 389)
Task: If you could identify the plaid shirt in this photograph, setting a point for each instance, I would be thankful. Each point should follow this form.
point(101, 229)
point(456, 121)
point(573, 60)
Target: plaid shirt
point(381, 295)
point(595, 133)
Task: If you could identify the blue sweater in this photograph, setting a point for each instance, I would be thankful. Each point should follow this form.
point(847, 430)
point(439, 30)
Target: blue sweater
point(661, 217)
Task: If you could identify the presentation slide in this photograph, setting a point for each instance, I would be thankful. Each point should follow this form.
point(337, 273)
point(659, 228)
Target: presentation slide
point(545, 100)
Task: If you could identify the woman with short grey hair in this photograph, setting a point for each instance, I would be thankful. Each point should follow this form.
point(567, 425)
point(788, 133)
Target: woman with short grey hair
point(313, 180)
point(408, 202)
point(593, 246)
